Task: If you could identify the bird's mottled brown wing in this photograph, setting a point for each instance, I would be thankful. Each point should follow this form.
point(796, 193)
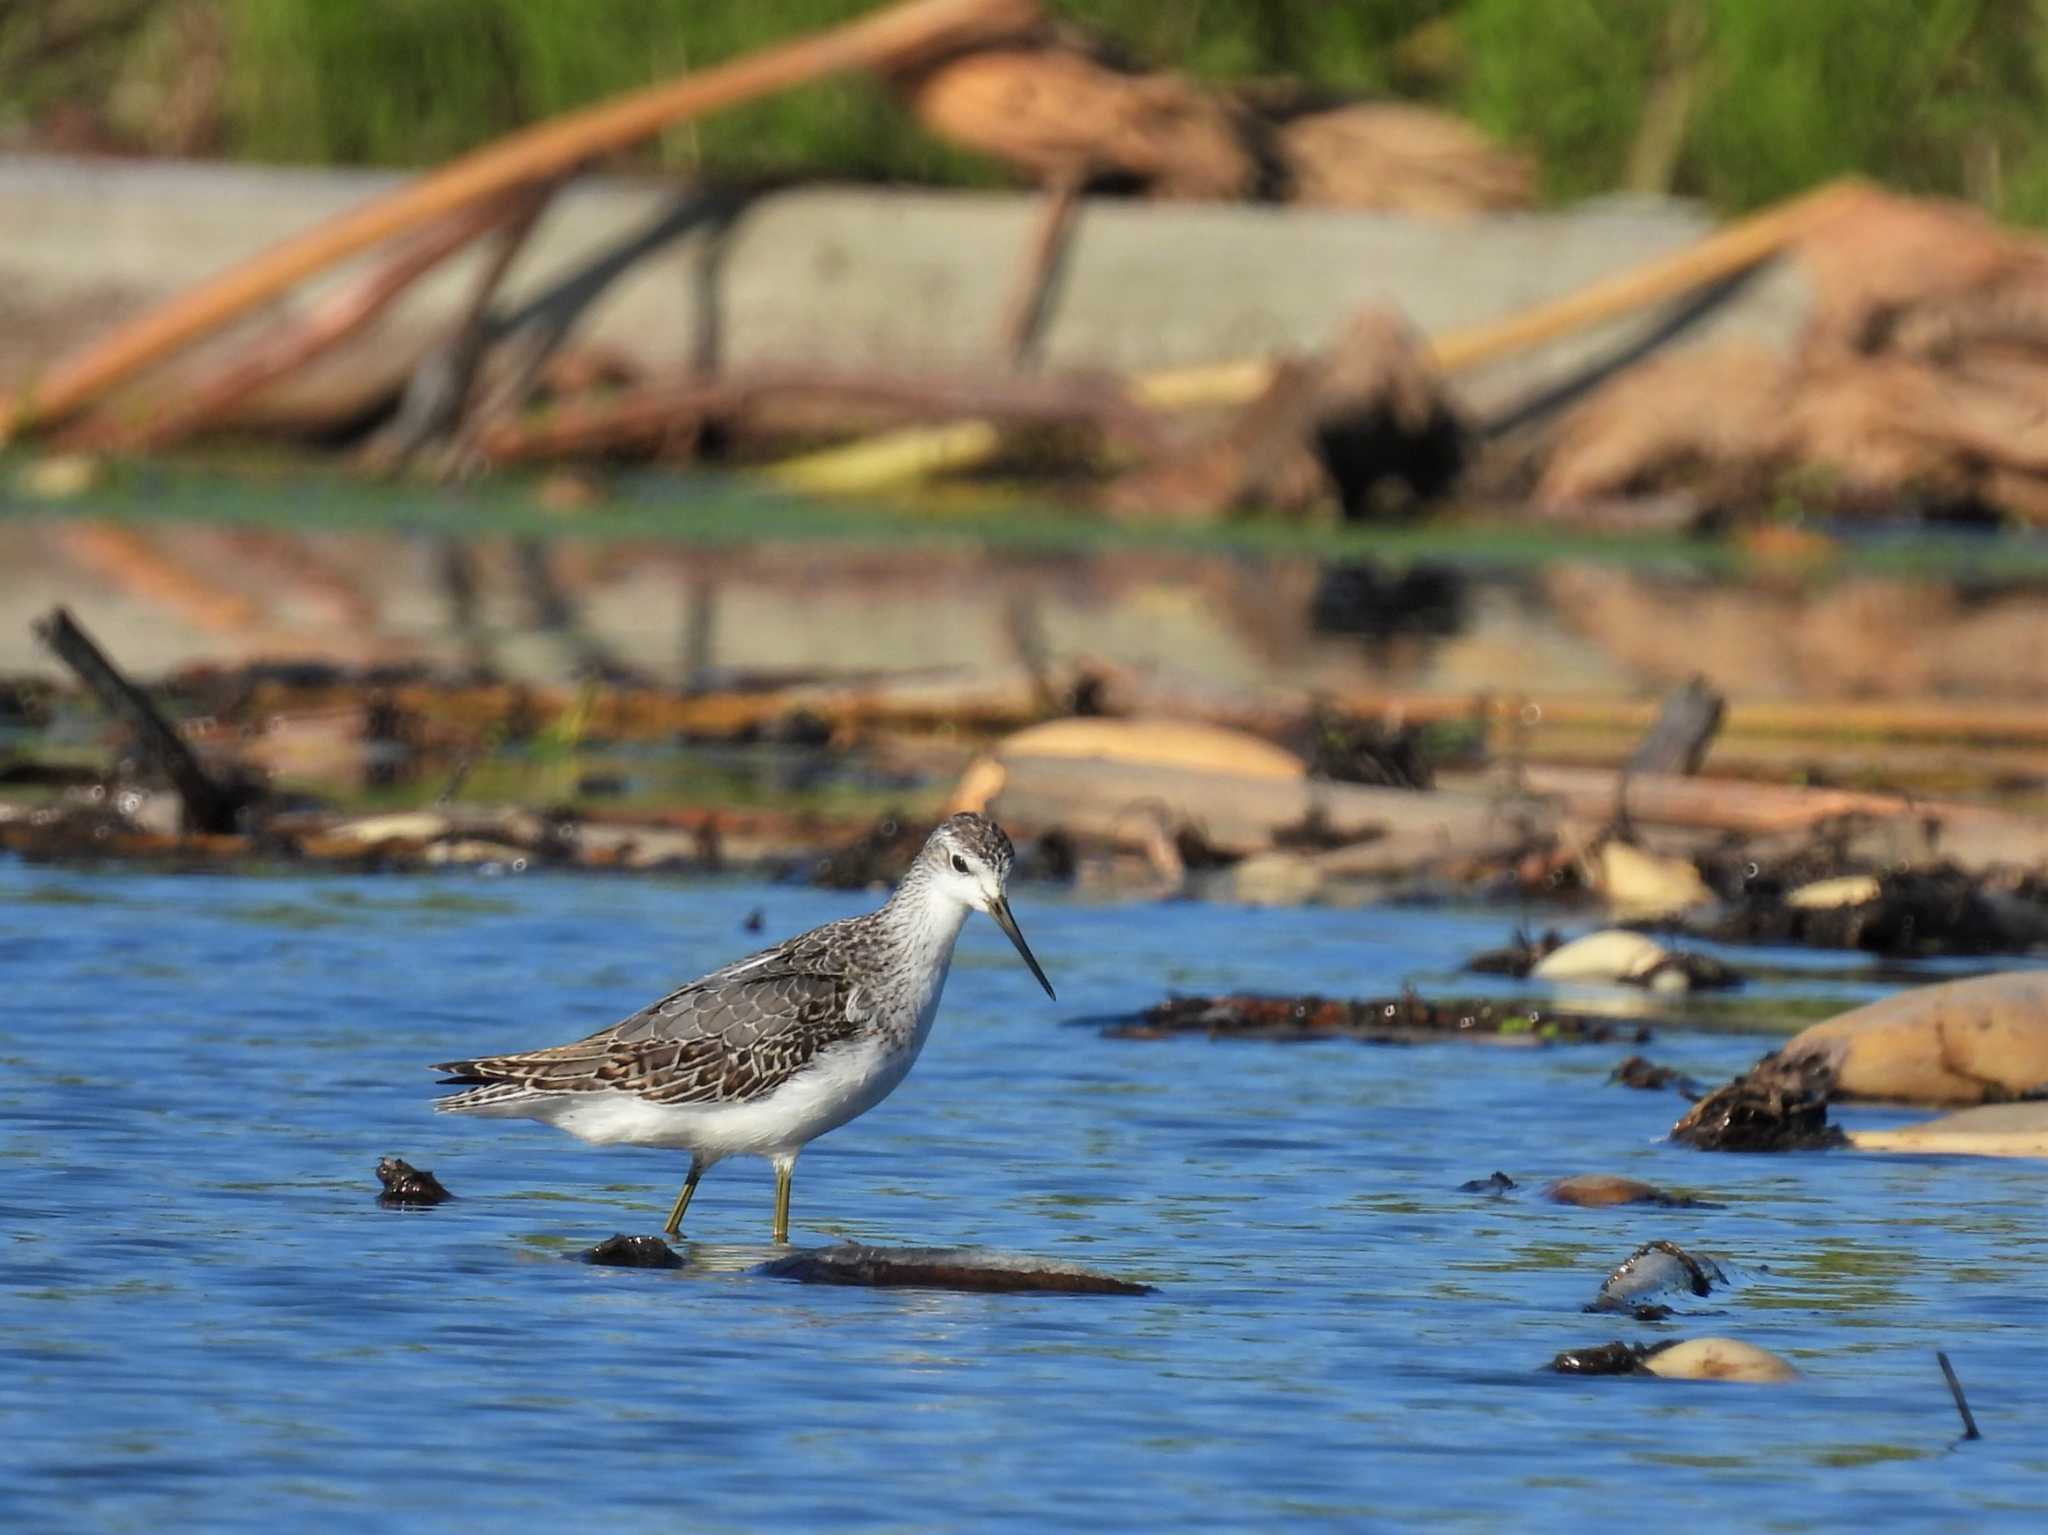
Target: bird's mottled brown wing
point(731, 1037)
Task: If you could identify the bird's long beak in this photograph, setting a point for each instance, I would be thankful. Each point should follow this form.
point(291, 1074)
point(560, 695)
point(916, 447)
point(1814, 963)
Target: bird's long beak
point(999, 908)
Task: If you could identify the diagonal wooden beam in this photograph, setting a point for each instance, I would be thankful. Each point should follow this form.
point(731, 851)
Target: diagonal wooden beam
point(881, 40)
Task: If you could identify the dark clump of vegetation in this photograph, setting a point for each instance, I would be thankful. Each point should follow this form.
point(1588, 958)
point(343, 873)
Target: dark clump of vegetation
point(1740, 101)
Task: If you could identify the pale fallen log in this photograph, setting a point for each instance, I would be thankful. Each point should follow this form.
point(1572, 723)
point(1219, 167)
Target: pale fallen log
point(1972, 836)
point(648, 415)
point(885, 39)
point(1392, 830)
point(909, 456)
point(1992, 1130)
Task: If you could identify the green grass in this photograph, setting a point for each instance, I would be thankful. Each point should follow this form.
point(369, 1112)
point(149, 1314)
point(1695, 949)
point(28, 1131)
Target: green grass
point(1931, 95)
point(712, 511)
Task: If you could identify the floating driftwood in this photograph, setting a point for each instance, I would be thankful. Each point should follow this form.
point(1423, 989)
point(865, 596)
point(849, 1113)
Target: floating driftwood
point(1399, 1020)
point(1771, 1107)
point(945, 1268)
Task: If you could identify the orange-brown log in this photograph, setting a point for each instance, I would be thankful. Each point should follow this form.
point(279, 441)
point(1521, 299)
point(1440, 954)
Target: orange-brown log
point(883, 39)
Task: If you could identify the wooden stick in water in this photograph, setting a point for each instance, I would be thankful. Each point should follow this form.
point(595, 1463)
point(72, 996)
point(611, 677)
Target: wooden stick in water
point(1955, 1388)
point(211, 804)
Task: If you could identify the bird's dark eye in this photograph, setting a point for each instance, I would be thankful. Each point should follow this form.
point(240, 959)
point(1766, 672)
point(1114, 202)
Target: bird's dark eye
point(959, 864)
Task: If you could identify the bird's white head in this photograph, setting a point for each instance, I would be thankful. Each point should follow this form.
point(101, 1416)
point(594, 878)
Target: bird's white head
point(967, 859)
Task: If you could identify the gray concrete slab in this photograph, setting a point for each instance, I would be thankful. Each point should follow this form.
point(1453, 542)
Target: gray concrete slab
point(861, 276)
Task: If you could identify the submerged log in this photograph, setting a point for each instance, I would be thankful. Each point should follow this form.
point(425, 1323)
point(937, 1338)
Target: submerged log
point(1402, 1020)
point(974, 1269)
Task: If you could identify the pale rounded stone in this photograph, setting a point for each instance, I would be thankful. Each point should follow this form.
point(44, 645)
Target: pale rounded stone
point(1276, 879)
point(1614, 954)
point(1970, 1041)
point(400, 826)
point(1639, 884)
point(1824, 894)
point(59, 477)
point(1718, 1359)
point(475, 850)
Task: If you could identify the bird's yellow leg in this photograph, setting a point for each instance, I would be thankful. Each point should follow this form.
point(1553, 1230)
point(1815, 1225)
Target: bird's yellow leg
point(783, 1170)
point(675, 1216)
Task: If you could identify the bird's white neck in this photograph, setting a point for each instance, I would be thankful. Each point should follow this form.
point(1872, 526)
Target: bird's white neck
point(924, 916)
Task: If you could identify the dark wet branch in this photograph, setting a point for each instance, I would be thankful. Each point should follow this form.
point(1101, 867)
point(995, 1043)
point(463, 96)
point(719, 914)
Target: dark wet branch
point(212, 804)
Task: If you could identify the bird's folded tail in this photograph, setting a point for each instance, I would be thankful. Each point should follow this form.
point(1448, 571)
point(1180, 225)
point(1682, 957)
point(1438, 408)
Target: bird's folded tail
point(486, 1091)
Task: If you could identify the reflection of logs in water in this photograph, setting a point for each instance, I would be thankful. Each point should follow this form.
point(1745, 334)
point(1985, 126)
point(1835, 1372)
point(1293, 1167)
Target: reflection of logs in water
point(1359, 597)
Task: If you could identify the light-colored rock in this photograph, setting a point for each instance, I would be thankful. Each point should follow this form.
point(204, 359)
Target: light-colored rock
point(1276, 879)
point(1718, 1359)
point(1640, 885)
point(475, 850)
point(1163, 743)
point(1971, 1041)
point(58, 477)
point(1825, 894)
point(1990, 1130)
point(400, 826)
point(1614, 954)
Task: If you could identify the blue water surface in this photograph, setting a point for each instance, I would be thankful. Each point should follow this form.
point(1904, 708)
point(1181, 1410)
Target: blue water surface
point(206, 1321)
